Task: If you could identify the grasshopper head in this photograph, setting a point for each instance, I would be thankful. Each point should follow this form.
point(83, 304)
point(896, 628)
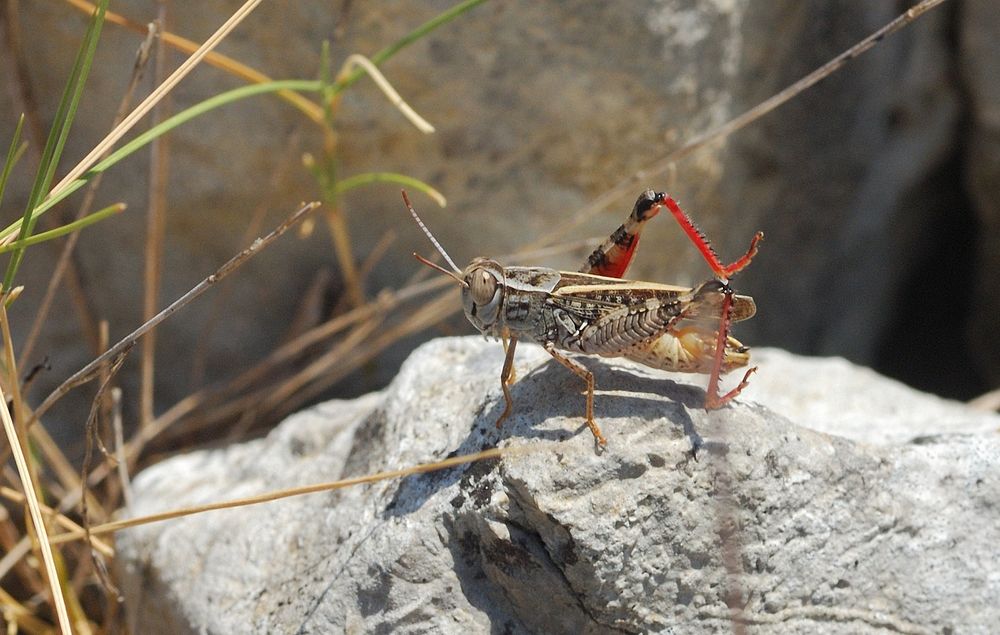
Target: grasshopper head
point(483, 294)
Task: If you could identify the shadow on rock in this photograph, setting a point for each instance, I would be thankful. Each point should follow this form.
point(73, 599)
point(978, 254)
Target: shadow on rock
point(550, 391)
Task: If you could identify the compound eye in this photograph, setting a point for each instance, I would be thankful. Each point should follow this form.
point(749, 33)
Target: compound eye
point(483, 287)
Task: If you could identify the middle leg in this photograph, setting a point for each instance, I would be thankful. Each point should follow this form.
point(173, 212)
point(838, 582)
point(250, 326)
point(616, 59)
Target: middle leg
point(586, 376)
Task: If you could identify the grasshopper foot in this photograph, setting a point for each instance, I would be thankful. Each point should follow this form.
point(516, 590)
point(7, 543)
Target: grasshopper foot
point(714, 401)
point(598, 437)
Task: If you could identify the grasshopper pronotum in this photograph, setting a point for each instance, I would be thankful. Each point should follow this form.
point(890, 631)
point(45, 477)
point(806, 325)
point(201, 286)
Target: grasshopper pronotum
point(596, 312)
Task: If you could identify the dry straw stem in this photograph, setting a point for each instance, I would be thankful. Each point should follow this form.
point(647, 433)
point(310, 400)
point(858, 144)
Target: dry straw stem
point(667, 163)
point(37, 522)
point(87, 373)
point(19, 618)
point(60, 519)
point(309, 108)
point(422, 468)
point(159, 169)
point(219, 300)
point(159, 93)
point(65, 263)
point(218, 60)
point(386, 302)
point(356, 60)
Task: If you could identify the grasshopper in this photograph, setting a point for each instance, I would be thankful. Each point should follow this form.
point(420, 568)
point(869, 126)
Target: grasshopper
point(597, 312)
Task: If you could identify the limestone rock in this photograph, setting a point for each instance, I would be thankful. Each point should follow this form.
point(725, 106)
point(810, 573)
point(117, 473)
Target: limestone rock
point(891, 527)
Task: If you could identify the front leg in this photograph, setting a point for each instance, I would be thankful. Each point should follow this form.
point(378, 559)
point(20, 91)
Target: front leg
point(507, 338)
point(507, 376)
point(586, 376)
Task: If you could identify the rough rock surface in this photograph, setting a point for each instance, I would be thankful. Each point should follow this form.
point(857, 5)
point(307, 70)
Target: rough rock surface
point(886, 521)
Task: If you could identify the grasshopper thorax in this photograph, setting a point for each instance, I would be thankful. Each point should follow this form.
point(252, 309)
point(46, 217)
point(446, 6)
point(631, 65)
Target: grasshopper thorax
point(483, 294)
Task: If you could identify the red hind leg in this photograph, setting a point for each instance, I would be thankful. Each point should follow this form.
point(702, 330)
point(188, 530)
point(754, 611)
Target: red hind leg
point(724, 272)
point(614, 256)
point(712, 398)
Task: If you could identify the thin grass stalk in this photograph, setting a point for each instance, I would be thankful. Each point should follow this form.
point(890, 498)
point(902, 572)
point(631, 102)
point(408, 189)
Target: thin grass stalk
point(86, 373)
point(383, 55)
point(159, 170)
point(20, 617)
point(125, 481)
point(58, 134)
point(219, 301)
point(12, 154)
point(423, 468)
point(55, 517)
point(180, 118)
point(214, 415)
point(37, 522)
point(332, 357)
point(436, 310)
point(62, 230)
point(147, 104)
point(16, 73)
point(64, 263)
point(223, 62)
point(14, 389)
point(356, 61)
point(15, 545)
point(55, 461)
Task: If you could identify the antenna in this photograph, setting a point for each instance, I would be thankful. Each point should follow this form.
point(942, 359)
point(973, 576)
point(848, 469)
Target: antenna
point(437, 267)
point(437, 245)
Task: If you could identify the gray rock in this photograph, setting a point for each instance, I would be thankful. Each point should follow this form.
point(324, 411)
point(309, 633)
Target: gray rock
point(891, 527)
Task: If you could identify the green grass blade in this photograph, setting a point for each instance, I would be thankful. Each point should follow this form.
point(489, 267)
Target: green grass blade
point(13, 154)
point(169, 124)
point(390, 177)
point(58, 134)
point(249, 91)
point(410, 38)
point(68, 228)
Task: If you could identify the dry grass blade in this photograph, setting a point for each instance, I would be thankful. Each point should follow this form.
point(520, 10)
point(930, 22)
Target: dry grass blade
point(147, 104)
point(87, 373)
point(218, 60)
point(92, 435)
point(119, 432)
point(20, 618)
point(422, 468)
point(159, 170)
point(64, 264)
point(60, 519)
point(386, 302)
point(36, 517)
point(219, 301)
point(357, 60)
point(429, 314)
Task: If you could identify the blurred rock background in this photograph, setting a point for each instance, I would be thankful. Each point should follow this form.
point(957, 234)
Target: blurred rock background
point(877, 189)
